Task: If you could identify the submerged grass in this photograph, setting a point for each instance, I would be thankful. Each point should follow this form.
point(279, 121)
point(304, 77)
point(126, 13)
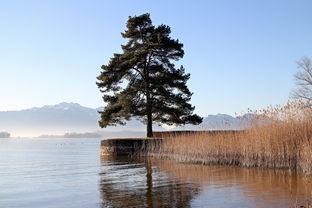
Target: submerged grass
point(279, 137)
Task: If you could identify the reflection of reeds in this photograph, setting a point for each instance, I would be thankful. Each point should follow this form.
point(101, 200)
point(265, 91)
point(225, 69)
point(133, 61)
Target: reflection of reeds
point(279, 138)
point(266, 185)
point(172, 184)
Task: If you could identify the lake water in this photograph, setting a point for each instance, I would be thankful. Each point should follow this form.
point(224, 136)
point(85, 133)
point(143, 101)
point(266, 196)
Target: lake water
point(70, 173)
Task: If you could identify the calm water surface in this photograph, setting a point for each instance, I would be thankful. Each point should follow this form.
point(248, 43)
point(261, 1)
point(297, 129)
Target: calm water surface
point(70, 173)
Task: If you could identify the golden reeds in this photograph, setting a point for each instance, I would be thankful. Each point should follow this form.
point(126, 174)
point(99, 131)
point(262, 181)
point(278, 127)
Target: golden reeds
point(279, 137)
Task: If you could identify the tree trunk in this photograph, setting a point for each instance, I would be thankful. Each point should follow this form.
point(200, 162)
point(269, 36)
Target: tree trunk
point(149, 120)
point(148, 107)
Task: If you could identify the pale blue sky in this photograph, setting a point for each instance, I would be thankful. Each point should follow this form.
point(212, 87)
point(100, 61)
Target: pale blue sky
point(241, 54)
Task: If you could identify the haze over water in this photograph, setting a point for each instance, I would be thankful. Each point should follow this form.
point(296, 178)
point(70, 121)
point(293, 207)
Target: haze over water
point(71, 173)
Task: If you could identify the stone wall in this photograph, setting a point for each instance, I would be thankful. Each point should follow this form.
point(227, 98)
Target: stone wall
point(128, 146)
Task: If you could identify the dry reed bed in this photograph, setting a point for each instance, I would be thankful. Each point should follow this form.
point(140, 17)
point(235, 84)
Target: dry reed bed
point(279, 137)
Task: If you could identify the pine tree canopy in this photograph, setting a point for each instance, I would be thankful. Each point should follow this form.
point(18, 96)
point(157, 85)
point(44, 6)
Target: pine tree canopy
point(143, 82)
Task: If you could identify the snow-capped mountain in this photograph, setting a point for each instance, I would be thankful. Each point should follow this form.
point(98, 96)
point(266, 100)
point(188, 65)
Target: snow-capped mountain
point(59, 119)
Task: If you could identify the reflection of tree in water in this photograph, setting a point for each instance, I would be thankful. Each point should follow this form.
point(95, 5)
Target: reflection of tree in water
point(133, 183)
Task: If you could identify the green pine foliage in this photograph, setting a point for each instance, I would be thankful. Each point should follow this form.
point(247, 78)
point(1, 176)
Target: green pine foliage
point(143, 81)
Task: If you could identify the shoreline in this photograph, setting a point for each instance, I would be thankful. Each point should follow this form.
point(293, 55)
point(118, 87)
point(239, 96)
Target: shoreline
point(233, 148)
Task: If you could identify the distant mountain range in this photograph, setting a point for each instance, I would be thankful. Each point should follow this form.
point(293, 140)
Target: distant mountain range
point(221, 122)
point(72, 117)
point(59, 119)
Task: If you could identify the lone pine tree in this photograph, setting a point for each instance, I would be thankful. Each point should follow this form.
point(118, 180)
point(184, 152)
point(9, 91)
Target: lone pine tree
point(143, 81)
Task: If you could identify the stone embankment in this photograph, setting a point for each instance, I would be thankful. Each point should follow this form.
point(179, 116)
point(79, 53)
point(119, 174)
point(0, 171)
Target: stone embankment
point(128, 146)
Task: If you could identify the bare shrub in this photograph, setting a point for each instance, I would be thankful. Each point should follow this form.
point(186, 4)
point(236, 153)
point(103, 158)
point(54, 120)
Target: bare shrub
point(303, 80)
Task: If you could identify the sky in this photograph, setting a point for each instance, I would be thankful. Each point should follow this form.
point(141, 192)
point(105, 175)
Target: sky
point(241, 54)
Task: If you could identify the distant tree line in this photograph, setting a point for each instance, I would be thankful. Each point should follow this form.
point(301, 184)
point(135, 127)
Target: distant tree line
point(82, 135)
point(5, 134)
point(72, 135)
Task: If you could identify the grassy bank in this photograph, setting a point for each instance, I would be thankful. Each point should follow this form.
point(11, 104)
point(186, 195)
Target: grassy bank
point(279, 137)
